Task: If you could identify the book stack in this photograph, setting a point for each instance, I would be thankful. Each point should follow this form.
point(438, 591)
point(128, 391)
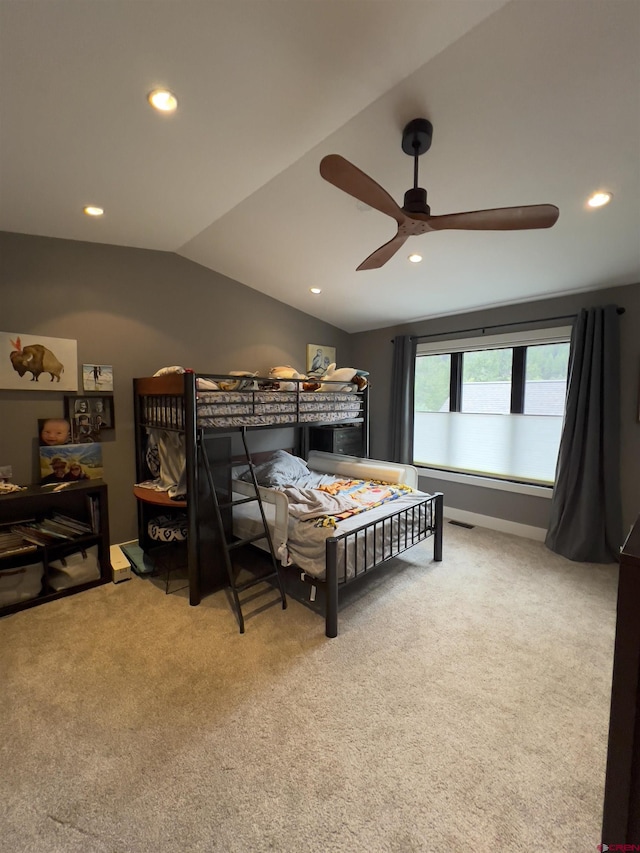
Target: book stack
point(52, 531)
point(12, 544)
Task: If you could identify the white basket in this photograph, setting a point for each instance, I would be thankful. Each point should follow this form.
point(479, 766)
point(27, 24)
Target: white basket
point(79, 567)
point(20, 583)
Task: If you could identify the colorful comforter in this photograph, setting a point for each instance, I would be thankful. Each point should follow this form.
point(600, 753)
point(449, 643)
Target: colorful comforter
point(329, 503)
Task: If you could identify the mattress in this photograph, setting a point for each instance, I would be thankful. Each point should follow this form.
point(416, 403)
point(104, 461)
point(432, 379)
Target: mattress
point(255, 408)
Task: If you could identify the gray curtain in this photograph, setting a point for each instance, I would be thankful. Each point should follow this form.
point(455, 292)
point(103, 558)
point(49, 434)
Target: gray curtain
point(586, 512)
point(402, 391)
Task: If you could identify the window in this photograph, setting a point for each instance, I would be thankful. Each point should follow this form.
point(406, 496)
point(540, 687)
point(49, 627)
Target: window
point(493, 406)
point(486, 381)
point(432, 383)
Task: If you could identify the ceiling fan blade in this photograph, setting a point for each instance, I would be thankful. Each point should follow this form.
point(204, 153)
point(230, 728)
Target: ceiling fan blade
point(347, 177)
point(383, 254)
point(499, 219)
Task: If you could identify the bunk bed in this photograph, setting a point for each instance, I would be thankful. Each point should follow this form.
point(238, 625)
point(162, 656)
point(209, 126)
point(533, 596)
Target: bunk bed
point(199, 413)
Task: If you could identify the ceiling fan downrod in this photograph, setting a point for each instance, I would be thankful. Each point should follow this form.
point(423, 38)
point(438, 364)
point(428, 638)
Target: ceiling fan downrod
point(416, 139)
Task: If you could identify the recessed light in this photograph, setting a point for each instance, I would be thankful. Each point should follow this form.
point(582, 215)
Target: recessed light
point(415, 258)
point(90, 210)
point(163, 100)
point(599, 199)
point(315, 290)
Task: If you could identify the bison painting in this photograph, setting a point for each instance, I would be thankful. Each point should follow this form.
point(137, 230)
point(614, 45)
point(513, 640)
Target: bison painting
point(35, 359)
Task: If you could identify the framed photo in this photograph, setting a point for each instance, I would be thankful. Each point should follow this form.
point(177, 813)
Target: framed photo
point(97, 377)
point(53, 432)
point(69, 463)
point(89, 417)
point(38, 363)
point(319, 357)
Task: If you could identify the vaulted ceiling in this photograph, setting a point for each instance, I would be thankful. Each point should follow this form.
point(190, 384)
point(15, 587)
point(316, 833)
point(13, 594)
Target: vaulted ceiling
point(531, 102)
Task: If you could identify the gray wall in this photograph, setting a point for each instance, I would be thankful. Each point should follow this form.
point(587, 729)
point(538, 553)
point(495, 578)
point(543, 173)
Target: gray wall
point(137, 310)
point(374, 349)
point(140, 310)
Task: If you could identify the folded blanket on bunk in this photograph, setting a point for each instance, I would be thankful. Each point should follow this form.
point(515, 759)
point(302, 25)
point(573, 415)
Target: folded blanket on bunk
point(328, 504)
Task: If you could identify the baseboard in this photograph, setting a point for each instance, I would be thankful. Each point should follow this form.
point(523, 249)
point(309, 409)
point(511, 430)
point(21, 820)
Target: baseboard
point(527, 531)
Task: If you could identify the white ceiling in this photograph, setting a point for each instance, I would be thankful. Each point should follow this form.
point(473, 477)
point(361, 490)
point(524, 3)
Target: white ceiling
point(532, 101)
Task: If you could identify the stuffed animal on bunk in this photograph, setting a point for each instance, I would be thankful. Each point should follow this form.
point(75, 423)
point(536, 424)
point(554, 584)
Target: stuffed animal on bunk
point(356, 380)
point(244, 382)
point(201, 383)
point(282, 373)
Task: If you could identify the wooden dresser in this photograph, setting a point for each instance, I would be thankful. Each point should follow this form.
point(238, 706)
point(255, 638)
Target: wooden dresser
point(338, 438)
point(621, 815)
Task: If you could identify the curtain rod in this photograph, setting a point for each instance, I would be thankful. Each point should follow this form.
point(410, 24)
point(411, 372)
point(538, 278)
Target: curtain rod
point(483, 329)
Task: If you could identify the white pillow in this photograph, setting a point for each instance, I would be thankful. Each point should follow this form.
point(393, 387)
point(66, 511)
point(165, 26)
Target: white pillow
point(359, 469)
point(166, 370)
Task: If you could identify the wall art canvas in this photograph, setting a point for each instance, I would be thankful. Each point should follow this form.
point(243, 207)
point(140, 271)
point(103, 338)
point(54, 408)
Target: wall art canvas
point(97, 377)
point(68, 463)
point(319, 357)
point(37, 363)
point(52, 432)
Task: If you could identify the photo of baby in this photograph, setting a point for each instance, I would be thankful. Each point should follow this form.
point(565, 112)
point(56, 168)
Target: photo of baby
point(54, 431)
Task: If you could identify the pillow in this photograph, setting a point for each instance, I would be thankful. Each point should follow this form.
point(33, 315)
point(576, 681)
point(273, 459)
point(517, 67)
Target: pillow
point(281, 469)
point(165, 371)
point(203, 384)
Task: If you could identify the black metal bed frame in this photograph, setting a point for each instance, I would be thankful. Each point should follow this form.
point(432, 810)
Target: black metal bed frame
point(399, 531)
point(169, 403)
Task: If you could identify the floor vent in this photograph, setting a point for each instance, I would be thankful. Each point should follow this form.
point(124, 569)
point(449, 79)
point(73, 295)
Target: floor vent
point(463, 524)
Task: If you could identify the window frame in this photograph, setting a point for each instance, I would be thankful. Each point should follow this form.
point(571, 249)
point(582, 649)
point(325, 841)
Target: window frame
point(518, 342)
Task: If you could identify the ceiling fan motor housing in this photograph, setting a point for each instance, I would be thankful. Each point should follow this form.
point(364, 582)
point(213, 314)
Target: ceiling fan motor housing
point(417, 136)
point(415, 201)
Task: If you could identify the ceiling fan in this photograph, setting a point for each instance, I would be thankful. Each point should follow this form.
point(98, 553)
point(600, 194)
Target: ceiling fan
point(414, 217)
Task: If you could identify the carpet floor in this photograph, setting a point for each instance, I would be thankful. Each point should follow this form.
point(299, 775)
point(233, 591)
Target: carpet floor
point(463, 706)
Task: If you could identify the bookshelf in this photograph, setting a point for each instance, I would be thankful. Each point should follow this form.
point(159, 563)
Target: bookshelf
point(39, 528)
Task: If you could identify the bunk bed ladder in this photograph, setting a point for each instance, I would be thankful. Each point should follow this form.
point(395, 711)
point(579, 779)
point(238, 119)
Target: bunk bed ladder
point(240, 577)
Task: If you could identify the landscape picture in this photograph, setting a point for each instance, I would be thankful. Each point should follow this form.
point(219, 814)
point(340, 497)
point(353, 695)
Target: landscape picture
point(68, 463)
point(97, 377)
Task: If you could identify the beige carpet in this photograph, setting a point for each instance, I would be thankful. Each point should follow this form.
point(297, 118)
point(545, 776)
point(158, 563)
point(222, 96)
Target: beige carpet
point(463, 706)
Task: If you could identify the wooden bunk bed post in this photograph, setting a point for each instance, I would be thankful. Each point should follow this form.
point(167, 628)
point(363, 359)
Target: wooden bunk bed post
point(193, 487)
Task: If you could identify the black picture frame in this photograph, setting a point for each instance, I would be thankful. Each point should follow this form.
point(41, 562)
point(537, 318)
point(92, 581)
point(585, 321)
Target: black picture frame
point(89, 416)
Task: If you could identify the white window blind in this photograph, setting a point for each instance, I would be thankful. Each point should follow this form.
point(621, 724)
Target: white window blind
point(518, 447)
point(557, 335)
point(523, 448)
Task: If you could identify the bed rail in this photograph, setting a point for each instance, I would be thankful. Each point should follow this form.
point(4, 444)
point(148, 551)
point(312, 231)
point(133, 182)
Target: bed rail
point(166, 402)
